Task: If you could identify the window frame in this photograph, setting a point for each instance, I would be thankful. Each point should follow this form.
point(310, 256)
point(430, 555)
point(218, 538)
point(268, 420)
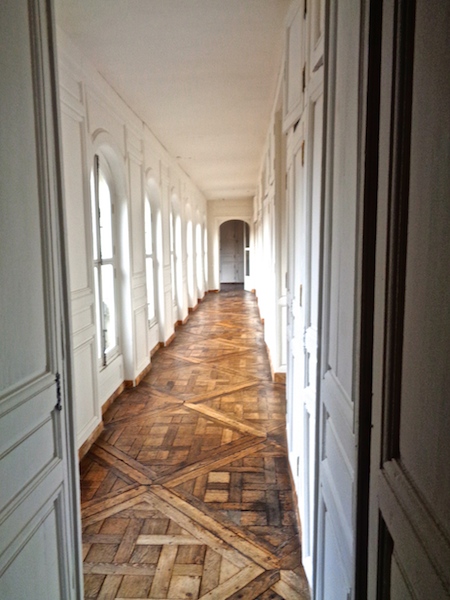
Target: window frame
point(150, 255)
point(104, 355)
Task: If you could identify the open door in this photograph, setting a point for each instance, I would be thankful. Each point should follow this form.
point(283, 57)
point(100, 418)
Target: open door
point(39, 547)
point(339, 309)
point(232, 251)
point(409, 532)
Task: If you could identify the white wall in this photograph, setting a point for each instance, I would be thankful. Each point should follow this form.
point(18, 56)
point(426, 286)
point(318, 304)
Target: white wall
point(96, 119)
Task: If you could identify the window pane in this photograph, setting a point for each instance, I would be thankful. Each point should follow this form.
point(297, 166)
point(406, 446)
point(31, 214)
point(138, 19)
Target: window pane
point(108, 307)
point(198, 244)
point(148, 228)
point(106, 243)
point(172, 257)
point(150, 292)
point(97, 311)
point(94, 218)
point(205, 249)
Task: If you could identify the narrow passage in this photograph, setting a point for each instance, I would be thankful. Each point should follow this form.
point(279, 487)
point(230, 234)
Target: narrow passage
point(186, 493)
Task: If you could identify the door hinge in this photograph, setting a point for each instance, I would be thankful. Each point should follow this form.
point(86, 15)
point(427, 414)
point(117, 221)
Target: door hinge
point(304, 79)
point(298, 466)
point(58, 405)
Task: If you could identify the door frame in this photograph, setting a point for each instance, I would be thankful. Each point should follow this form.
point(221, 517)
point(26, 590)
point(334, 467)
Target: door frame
point(62, 263)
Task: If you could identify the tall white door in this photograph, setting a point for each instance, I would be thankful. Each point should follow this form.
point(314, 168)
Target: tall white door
point(338, 390)
point(410, 477)
point(309, 241)
point(38, 539)
point(296, 197)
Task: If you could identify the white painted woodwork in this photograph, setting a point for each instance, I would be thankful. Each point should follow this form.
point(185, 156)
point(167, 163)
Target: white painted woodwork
point(39, 549)
point(337, 459)
point(410, 481)
point(316, 22)
point(295, 63)
point(296, 272)
point(153, 194)
point(309, 242)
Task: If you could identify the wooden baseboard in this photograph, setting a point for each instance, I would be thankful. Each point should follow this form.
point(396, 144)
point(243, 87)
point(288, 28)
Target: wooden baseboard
point(85, 447)
point(113, 396)
point(213, 291)
point(279, 378)
point(143, 373)
point(156, 348)
point(169, 340)
point(295, 502)
point(131, 383)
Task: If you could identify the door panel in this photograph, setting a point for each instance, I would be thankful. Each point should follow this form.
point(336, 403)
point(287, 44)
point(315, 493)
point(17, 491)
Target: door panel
point(37, 531)
point(296, 193)
point(336, 486)
point(410, 483)
point(311, 241)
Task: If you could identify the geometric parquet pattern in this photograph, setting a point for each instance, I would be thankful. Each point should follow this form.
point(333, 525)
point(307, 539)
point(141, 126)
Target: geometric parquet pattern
point(186, 493)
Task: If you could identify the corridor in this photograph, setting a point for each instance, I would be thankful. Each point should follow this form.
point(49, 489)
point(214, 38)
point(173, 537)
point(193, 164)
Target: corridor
point(186, 493)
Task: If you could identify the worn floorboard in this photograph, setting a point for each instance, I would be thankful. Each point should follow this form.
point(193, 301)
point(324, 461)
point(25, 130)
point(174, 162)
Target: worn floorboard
point(186, 494)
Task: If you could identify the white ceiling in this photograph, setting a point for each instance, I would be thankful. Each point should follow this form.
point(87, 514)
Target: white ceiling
point(201, 73)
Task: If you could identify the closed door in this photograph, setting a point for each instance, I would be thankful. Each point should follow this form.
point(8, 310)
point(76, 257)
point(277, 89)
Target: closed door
point(338, 389)
point(296, 323)
point(38, 541)
point(410, 477)
point(310, 305)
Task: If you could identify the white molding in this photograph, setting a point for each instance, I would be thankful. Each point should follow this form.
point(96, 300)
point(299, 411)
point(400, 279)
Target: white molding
point(417, 529)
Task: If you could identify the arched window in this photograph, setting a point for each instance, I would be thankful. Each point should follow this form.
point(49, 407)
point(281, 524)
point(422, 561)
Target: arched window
point(176, 256)
point(205, 256)
point(172, 258)
point(199, 253)
point(190, 261)
point(149, 262)
point(179, 260)
point(104, 259)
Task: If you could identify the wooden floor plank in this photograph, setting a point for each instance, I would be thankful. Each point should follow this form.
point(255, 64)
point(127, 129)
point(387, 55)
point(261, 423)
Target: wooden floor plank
point(234, 584)
point(257, 587)
point(211, 571)
point(186, 493)
point(233, 539)
point(163, 575)
point(211, 412)
point(199, 531)
point(244, 447)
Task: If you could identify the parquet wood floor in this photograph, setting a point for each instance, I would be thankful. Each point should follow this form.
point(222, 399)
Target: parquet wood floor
point(186, 494)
